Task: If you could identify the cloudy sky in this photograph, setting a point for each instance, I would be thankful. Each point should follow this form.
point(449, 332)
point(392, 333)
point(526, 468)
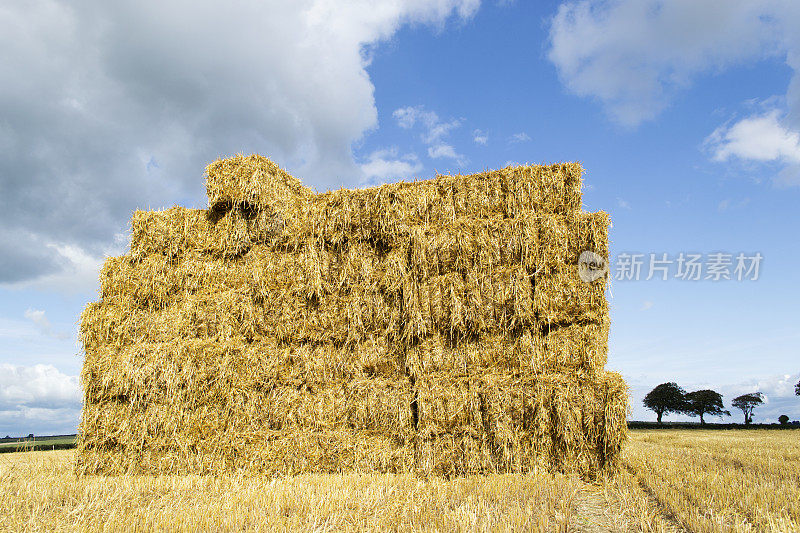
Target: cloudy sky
point(685, 114)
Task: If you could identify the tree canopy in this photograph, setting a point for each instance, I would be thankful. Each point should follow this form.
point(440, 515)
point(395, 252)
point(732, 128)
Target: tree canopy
point(748, 402)
point(664, 399)
point(783, 419)
point(797, 389)
point(704, 402)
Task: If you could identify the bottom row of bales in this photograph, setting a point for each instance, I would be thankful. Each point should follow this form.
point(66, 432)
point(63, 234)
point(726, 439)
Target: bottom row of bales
point(201, 411)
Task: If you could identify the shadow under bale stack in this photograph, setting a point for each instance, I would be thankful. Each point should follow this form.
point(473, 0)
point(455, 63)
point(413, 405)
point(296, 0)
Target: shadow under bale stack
point(437, 327)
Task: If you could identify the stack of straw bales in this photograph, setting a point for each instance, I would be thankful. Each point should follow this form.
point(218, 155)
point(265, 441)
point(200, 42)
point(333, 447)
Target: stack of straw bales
point(437, 327)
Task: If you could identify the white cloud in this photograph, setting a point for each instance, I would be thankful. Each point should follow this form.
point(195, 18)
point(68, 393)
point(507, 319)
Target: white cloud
point(41, 386)
point(445, 150)
point(633, 55)
point(408, 116)
point(624, 204)
point(386, 164)
point(646, 305)
point(519, 138)
point(38, 399)
point(43, 325)
point(480, 137)
point(759, 139)
point(439, 130)
point(434, 131)
point(108, 107)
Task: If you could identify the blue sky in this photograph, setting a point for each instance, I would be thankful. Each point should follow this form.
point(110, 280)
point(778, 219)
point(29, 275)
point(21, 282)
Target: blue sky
point(685, 116)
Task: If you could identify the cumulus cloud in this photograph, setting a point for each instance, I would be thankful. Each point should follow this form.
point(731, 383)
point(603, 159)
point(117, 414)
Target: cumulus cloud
point(761, 139)
point(110, 106)
point(633, 55)
point(39, 386)
point(386, 164)
point(623, 203)
point(434, 131)
point(758, 138)
point(38, 399)
point(480, 137)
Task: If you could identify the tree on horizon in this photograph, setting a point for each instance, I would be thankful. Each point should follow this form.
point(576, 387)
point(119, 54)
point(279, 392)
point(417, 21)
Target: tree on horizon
point(747, 403)
point(704, 402)
point(664, 399)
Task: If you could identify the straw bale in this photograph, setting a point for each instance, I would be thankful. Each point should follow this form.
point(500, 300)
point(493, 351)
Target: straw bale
point(113, 322)
point(548, 188)
point(574, 346)
point(561, 297)
point(612, 433)
point(375, 405)
point(537, 242)
point(313, 271)
point(156, 371)
point(344, 320)
point(174, 231)
point(496, 301)
point(221, 316)
point(438, 325)
point(388, 212)
point(155, 281)
point(253, 180)
point(464, 243)
point(562, 239)
point(248, 451)
point(453, 454)
point(437, 354)
point(571, 348)
point(566, 422)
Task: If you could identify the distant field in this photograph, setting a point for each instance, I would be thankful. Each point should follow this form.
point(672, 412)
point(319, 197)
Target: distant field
point(673, 480)
point(37, 443)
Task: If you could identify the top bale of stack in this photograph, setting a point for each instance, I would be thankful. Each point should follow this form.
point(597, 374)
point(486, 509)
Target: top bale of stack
point(252, 182)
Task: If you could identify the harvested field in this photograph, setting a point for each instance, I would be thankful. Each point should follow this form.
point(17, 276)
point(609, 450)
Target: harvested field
point(672, 480)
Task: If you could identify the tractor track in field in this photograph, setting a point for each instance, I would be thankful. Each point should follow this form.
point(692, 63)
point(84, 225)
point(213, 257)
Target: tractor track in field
point(664, 509)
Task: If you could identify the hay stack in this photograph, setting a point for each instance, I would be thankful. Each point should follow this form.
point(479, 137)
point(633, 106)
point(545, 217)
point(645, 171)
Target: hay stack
point(437, 326)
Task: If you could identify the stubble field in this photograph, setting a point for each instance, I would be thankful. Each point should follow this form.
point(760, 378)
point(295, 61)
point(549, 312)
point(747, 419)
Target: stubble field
point(672, 480)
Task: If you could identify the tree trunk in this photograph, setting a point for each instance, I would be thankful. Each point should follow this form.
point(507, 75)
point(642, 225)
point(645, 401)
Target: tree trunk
point(659, 413)
point(702, 422)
